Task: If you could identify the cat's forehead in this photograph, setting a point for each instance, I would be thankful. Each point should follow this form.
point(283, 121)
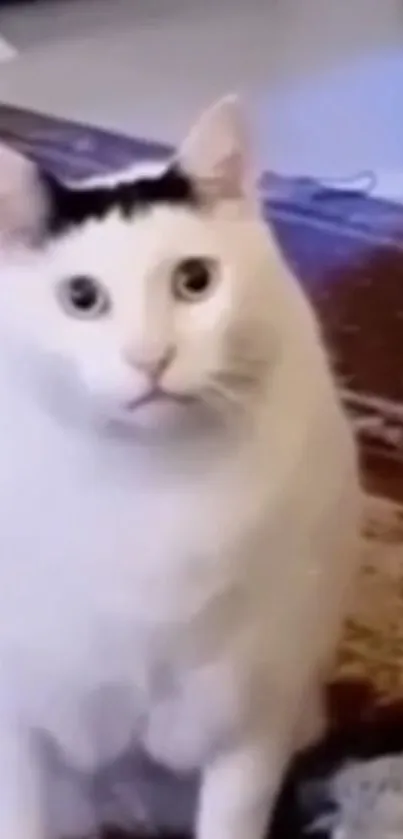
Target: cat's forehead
point(130, 193)
point(144, 243)
point(141, 219)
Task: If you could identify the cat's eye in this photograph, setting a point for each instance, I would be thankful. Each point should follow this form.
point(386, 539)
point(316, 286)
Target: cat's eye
point(193, 279)
point(83, 297)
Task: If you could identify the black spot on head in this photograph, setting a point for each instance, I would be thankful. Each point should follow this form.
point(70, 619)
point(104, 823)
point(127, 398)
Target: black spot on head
point(72, 206)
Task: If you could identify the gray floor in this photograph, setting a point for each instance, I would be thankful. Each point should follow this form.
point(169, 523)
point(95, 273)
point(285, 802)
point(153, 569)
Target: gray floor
point(323, 78)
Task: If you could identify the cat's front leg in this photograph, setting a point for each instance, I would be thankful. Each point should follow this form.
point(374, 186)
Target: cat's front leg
point(21, 814)
point(239, 788)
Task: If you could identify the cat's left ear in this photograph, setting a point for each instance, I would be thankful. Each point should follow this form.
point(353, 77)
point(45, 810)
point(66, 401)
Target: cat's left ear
point(216, 153)
point(23, 199)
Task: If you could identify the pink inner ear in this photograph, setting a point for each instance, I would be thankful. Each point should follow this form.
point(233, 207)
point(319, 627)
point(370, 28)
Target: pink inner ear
point(226, 179)
point(232, 176)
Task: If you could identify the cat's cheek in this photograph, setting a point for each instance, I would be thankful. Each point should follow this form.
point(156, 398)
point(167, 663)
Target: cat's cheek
point(110, 382)
point(188, 374)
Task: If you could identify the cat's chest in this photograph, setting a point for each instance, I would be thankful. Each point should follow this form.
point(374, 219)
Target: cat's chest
point(71, 516)
point(102, 535)
point(107, 577)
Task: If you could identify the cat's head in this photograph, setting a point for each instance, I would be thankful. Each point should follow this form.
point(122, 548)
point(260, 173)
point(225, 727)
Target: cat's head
point(144, 297)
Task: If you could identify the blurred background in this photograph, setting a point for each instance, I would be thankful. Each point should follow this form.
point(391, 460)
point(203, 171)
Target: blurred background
point(323, 78)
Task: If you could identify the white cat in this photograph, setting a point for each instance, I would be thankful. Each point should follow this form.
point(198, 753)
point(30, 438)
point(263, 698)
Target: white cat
point(179, 501)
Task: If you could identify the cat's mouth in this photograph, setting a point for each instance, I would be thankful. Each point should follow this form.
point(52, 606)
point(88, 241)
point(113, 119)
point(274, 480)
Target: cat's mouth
point(158, 396)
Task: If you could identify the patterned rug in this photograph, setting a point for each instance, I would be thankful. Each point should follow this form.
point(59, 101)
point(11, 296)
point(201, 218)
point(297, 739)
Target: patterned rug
point(351, 785)
point(347, 250)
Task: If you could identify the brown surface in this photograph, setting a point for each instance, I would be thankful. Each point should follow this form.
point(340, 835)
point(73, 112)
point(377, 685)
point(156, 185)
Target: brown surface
point(348, 254)
point(362, 314)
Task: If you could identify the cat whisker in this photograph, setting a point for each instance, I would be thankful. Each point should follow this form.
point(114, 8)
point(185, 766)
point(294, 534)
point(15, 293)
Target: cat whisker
point(246, 379)
point(221, 395)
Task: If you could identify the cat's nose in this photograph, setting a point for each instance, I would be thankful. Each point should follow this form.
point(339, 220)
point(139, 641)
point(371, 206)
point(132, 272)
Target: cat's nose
point(152, 365)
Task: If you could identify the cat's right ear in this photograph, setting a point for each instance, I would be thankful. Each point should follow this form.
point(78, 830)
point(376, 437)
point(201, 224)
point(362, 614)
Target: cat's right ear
point(23, 198)
point(216, 153)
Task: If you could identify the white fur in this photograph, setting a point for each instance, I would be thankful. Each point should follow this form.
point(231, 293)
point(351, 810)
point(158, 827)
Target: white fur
point(174, 576)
